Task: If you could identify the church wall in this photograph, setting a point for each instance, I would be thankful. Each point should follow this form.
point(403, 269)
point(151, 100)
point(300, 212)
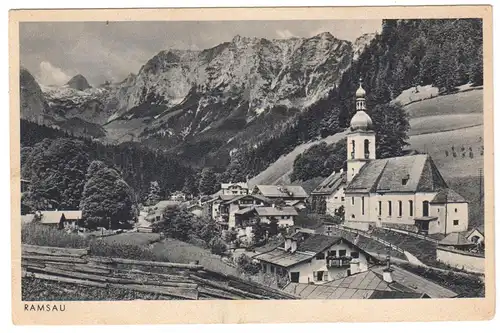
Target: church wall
point(457, 212)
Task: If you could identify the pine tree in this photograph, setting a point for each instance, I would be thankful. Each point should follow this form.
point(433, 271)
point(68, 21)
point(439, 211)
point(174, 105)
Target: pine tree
point(207, 181)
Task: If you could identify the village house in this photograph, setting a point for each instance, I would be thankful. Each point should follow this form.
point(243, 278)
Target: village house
point(290, 194)
point(157, 212)
point(328, 197)
point(476, 235)
point(64, 219)
point(406, 192)
point(229, 208)
point(378, 282)
point(178, 196)
point(284, 215)
point(234, 188)
point(314, 258)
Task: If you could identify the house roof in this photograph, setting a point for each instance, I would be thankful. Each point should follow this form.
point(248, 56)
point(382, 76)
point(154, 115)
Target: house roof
point(276, 211)
point(244, 210)
point(480, 229)
point(225, 186)
point(283, 258)
point(54, 216)
point(364, 285)
point(454, 239)
point(281, 191)
point(414, 283)
point(447, 195)
point(315, 243)
point(331, 184)
point(255, 196)
point(414, 173)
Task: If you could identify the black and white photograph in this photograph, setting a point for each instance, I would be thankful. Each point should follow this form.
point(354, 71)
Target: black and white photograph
point(329, 159)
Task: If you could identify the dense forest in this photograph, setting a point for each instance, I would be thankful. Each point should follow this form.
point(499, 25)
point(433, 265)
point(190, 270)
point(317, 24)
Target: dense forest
point(443, 53)
point(50, 152)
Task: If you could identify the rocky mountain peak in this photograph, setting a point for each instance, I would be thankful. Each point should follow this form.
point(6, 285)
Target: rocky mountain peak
point(79, 82)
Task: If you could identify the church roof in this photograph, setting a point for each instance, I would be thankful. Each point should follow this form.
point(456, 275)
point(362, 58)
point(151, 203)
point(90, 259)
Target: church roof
point(447, 195)
point(331, 183)
point(414, 173)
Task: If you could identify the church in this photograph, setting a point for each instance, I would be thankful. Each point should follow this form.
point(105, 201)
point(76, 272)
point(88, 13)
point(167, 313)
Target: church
point(406, 192)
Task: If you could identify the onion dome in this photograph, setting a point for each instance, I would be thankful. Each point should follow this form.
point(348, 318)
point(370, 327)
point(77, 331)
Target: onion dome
point(360, 93)
point(361, 121)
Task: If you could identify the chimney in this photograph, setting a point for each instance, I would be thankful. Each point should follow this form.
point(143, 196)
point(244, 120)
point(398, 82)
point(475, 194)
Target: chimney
point(354, 266)
point(387, 272)
point(288, 244)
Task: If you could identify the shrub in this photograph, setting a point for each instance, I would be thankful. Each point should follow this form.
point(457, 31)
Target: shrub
point(246, 264)
point(217, 246)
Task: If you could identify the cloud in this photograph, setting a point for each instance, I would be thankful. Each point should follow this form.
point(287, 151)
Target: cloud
point(284, 34)
point(52, 75)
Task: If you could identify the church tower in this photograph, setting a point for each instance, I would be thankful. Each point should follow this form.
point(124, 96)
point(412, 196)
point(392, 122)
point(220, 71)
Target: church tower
point(361, 139)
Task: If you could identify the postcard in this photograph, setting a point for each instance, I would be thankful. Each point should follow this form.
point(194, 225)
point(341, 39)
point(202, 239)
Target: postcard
point(252, 165)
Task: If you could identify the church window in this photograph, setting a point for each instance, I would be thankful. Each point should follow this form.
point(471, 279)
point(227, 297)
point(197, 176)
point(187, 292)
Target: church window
point(367, 148)
point(425, 208)
point(362, 205)
point(455, 222)
point(404, 181)
point(342, 199)
point(389, 207)
point(352, 201)
point(456, 210)
point(353, 152)
point(410, 202)
point(400, 204)
point(379, 208)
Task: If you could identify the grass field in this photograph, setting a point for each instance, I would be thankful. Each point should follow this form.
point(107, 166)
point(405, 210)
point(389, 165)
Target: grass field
point(177, 251)
point(133, 238)
point(442, 123)
point(461, 103)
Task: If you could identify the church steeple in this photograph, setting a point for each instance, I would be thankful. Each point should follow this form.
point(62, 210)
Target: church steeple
point(361, 140)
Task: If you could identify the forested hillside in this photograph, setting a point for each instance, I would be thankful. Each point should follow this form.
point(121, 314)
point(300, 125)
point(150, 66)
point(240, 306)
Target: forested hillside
point(56, 163)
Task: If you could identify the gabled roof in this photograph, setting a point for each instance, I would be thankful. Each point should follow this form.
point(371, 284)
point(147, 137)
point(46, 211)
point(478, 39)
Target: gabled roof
point(447, 195)
point(281, 191)
point(54, 216)
point(415, 283)
point(364, 285)
point(255, 196)
point(316, 243)
point(228, 185)
point(331, 184)
point(455, 239)
point(480, 229)
point(276, 211)
point(414, 173)
point(283, 258)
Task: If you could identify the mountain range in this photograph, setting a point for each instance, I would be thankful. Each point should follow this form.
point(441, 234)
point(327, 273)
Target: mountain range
point(225, 95)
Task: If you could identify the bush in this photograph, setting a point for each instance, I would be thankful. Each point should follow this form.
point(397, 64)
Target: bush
point(217, 246)
point(246, 264)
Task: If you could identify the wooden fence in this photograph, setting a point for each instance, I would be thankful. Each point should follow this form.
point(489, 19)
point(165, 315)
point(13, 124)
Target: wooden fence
point(175, 280)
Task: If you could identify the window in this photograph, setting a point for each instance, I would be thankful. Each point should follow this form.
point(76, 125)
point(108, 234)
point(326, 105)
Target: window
point(352, 201)
point(425, 208)
point(456, 210)
point(320, 256)
point(362, 205)
point(405, 179)
point(342, 199)
point(336, 197)
point(400, 208)
point(367, 148)
point(389, 207)
point(342, 253)
point(272, 269)
point(264, 268)
point(319, 276)
point(455, 222)
point(411, 207)
point(294, 276)
point(353, 149)
point(332, 254)
point(354, 254)
point(379, 208)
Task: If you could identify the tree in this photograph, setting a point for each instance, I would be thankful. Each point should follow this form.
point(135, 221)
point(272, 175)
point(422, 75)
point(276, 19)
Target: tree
point(259, 232)
point(217, 246)
point(247, 265)
point(154, 194)
point(107, 200)
point(273, 226)
point(56, 169)
point(177, 222)
point(207, 181)
point(391, 126)
point(190, 186)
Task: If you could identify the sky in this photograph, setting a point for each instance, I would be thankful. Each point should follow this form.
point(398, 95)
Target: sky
point(56, 51)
